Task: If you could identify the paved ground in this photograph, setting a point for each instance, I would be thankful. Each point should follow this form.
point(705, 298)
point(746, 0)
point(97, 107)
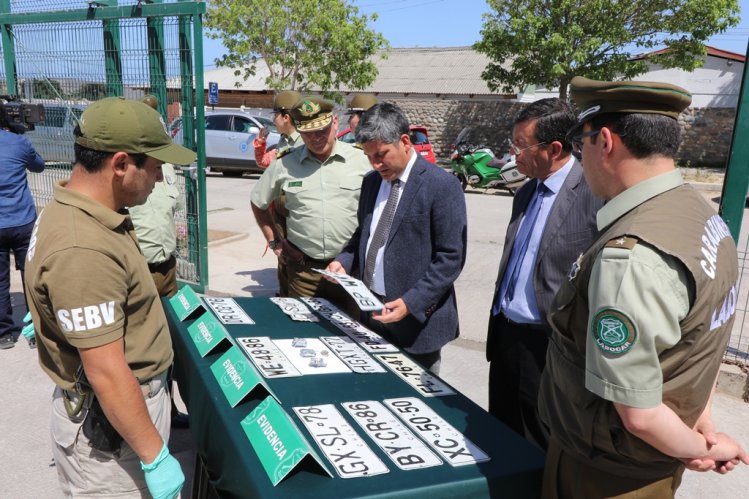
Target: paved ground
point(236, 268)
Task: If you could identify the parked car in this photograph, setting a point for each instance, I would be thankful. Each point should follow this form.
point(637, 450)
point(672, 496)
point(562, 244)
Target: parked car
point(419, 138)
point(53, 138)
point(228, 141)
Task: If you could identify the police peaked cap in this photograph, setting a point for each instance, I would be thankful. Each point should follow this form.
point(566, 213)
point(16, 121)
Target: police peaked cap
point(595, 97)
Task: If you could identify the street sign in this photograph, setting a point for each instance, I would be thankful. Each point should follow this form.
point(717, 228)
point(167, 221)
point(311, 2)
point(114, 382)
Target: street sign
point(212, 93)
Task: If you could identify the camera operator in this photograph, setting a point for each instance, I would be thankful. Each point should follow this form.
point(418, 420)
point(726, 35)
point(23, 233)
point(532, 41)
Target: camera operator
point(17, 214)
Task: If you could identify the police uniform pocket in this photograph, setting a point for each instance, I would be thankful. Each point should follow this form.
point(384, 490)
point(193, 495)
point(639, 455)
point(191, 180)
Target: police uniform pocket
point(351, 183)
point(64, 429)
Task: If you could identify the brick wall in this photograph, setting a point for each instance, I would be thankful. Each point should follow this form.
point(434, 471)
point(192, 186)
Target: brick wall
point(706, 140)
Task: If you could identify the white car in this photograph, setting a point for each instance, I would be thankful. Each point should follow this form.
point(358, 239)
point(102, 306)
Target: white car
point(228, 140)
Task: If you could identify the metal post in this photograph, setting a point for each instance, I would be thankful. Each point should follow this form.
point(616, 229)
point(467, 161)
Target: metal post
point(9, 51)
point(736, 182)
point(200, 119)
point(157, 61)
point(113, 56)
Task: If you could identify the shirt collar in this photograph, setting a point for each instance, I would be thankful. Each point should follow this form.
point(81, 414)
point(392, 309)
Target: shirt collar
point(636, 195)
point(404, 176)
point(293, 137)
point(306, 154)
point(556, 180)
point(109, 218)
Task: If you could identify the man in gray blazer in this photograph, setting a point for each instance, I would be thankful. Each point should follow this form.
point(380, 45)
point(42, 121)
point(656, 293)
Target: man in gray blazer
point(411, 262)
point(553, 220)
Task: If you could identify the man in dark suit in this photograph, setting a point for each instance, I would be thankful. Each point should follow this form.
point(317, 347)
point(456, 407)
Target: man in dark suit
point(553, 221)
point(410, 245)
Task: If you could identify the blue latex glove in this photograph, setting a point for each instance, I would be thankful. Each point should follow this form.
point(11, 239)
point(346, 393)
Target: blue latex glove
point(28, 329)
point(164, 475)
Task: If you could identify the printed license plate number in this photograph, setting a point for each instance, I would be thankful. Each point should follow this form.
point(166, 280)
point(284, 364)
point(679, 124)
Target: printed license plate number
point(342, 446)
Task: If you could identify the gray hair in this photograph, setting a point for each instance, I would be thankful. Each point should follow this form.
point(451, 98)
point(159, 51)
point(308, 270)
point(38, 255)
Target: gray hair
point(384, 123)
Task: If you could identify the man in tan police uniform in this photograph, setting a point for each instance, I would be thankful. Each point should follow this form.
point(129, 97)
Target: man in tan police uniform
point(322, 181)
point(640, 325)
point(102, 333)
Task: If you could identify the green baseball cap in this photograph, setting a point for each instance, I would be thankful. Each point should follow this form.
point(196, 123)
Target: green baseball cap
point(116, 124)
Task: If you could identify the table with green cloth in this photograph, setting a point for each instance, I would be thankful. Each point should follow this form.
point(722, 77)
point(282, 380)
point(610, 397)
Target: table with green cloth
point(234, 469)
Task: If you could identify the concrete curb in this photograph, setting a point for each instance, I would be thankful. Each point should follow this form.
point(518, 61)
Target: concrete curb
point(226, 240)
point(732, 381)
point(705, 186)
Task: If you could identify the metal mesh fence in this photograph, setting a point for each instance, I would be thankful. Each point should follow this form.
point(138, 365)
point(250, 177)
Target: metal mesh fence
point(21, 6)
point(68, 65)
point(738, 345)
point(42, 189)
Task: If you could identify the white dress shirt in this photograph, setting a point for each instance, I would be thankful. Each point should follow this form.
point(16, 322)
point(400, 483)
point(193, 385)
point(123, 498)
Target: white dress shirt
point(378, 277)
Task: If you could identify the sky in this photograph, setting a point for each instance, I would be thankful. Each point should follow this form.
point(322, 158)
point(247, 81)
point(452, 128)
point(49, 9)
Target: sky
point(453, 23)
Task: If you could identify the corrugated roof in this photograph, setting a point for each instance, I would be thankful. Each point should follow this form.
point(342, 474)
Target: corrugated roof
point(450, 70)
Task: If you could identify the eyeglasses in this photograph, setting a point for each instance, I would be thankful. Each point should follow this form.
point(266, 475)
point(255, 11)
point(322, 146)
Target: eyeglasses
point(517, 150)
point(577, 139)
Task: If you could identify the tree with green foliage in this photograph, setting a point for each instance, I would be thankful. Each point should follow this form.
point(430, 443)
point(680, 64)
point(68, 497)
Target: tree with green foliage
point(47, 89)
point(547, 42)
point(305, 44)
point(92, 91)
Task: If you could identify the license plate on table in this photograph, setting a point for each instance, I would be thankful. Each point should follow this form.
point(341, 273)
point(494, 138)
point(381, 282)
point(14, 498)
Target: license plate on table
point(366, 338)
point(451, 444)
point(266, 356)
point(406, 450)
point(295, 309)
point(415, 375)
point(352, 354)
point(228, 310)
point(344, 448)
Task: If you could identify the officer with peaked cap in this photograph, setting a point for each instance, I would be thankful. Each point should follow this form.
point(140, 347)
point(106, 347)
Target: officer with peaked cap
point(321, 181)
point(102, 334)
point(290, 138)
point(357, 106)
point(640, 325)
point(282, 105)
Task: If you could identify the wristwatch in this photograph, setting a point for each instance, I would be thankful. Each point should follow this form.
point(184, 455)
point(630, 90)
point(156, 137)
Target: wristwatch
point(274, 243)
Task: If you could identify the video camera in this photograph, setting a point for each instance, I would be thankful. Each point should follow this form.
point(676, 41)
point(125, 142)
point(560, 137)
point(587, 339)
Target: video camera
point(20, 117)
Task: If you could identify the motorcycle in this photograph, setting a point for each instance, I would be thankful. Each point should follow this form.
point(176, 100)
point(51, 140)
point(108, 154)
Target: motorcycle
point(478, 167)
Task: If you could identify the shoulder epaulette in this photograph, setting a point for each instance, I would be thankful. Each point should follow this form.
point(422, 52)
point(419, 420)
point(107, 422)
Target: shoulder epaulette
point(625, 242)
point(358, 146)
point(283, 152)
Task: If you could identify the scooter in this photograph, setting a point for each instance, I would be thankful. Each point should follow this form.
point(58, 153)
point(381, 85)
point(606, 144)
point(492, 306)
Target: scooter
point(478, 167)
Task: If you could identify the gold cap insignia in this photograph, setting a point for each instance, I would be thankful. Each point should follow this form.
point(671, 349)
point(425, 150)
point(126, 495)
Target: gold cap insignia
point(309, 108)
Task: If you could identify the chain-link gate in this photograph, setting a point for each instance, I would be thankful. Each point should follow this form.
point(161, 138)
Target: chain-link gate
point(65, 54)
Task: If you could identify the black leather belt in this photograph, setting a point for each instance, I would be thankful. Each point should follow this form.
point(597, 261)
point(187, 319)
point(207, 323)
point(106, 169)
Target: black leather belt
point(518, 325)
point(162, 266)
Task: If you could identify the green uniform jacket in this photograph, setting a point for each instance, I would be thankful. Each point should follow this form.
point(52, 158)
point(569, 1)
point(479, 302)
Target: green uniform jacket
point(574, 402)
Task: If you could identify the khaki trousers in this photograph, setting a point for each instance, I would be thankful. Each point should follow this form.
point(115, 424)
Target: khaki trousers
point(165, 276)
point(87, 472)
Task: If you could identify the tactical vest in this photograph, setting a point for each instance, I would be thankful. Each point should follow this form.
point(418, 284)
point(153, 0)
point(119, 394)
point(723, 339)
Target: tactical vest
point(679, 223)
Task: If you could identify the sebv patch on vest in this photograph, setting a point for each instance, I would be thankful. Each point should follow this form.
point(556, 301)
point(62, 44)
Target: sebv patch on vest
point(613, 331)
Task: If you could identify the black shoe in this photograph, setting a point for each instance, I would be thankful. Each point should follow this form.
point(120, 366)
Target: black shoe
point(7, 341)
point(180, 420)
